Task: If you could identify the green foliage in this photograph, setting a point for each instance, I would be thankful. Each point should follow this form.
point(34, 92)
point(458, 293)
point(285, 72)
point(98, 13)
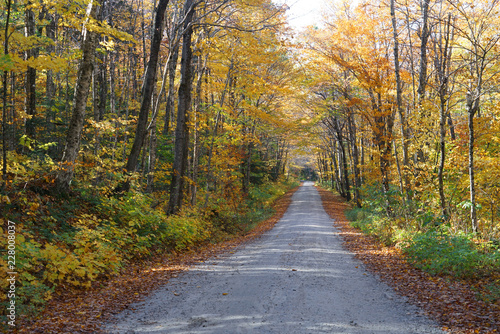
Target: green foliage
point(228, 221)
point(438, 252)
point(374, 224)
point(425, 238)
point(434, 250)
point(490, 293)
point(138, 231)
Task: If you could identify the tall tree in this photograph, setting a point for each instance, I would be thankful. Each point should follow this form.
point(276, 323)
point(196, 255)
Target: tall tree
point(4, 93)
point(399, 100)
point(30, 81)
point(442, 64)
point(182, 128)
point(148, 87)
point(481, 39)
point(82, 87)
point(424, 37)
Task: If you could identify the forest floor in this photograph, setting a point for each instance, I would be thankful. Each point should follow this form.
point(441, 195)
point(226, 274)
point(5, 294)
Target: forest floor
point(451, 302)
point(85, 311)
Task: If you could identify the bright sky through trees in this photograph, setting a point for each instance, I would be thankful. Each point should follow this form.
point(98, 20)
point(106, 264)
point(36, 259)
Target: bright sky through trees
point(303, 13)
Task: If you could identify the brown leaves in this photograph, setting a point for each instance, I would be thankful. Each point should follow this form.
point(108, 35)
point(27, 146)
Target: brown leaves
point(452, 303)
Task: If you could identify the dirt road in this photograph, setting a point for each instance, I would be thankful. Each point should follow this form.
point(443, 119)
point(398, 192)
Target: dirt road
point(294, 279)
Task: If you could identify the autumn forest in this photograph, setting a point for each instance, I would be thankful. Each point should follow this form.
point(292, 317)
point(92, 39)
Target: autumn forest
point(132, 128)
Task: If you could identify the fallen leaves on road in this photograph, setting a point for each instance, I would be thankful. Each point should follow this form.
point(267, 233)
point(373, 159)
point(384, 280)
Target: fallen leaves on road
point(452, 303)
point(85, 311)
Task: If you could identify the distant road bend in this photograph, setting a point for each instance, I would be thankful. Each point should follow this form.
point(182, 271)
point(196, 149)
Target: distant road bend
point(296, 278)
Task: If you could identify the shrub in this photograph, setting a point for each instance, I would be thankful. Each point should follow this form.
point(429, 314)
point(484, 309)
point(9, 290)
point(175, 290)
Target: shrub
point(457, 255)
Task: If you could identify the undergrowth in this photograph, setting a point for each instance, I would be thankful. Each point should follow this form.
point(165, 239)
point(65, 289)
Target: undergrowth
point(70, 243)
point(429, 242)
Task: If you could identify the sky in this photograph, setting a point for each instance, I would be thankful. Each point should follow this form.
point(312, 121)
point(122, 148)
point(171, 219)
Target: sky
point(303, 12)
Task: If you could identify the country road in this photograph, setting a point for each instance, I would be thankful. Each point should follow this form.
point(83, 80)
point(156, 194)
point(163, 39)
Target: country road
point(296, 278)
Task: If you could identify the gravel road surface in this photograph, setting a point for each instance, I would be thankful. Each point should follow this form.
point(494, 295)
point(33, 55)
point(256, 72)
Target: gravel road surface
point(296, 278)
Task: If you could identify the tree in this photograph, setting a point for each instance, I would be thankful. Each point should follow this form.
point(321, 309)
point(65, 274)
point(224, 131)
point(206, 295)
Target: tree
point(182, 127)
point(4, 94)
point(30, 84)
point(357, 45)
point(148, 86)
point(82, 87)
point(480, 38)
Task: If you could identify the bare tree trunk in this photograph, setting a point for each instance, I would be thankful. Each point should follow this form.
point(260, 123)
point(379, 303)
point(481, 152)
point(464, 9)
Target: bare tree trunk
point(30, 82)
point(4, 96)
point(472, 109)
point(355, 158)
point(182, 128)
point(399, 104)
point(442, 66)
point(147, 91)
point(422, 78)
point(84, 79)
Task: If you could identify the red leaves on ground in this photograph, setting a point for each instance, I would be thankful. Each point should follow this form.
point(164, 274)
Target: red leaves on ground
point(85, 311)
point(452, 303)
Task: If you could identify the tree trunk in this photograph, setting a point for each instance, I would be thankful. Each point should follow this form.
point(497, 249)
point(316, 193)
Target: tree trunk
point(152, 156)
point(443, 73)
point(343, 168)
point(383, 140)
point(169, 109)
point(399, 103)
point(214, 133)
point(422, 78)
point(147, 91)
point(355, 158)
point(248, 163)
point(30, 82)
point(84, 79)
point(196, 146)
point(50, 87)
point(171, 67)
point(472, 108)
point(4, 96)
point(335, 170)
point(182, 128)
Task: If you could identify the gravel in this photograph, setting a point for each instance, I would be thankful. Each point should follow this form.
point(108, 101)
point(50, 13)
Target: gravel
point(296, 278)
